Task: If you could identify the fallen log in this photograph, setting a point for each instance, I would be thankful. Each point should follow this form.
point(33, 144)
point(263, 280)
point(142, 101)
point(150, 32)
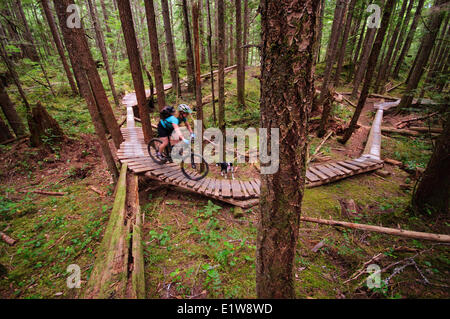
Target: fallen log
point(348, 101)
point(392, 161)
point(405, 122)
point(394, 87)
point(426, 129)
point(44, 193)
point(385, 129)
point(7, 239)
point(379, 229)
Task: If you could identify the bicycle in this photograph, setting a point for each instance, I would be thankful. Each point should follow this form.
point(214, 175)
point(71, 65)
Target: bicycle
point(193, 166)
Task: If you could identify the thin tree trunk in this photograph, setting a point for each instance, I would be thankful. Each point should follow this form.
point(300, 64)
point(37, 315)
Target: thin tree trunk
point(156, 65)
point(356, 54)
point(171, 55)
point(246, 33)
point(401, 36)
point(386, 62)
point(105, 16)
point(289, 45)
point(10, 112)
point(59, 46)
point(133, 56)
point(341, 53)
point(189, 53)
point(428, 41)
point(202, 36)
point(372, 62)
point(239, 58)
point(364, 59)
point(101, 45)
point(31, 48)
point(221, 78)
point(5, 133)
point(331, 50)
point(211, 61)
point(198, 85)
point(409, 39)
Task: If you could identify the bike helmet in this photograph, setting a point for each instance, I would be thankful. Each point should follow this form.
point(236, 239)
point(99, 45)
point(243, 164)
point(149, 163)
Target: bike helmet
point(184, 108)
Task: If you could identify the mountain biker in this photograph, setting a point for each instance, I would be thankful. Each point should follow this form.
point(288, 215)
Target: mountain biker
point(169, 123)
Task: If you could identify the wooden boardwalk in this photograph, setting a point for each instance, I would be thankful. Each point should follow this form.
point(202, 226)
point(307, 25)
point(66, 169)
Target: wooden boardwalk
point(243, 193)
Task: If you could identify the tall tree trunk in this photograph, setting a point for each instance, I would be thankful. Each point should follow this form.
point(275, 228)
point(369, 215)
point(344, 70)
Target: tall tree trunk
point(211, 61)
point(189, 53)
point(12, 32)
point(386, 62)
point(161, 43)
point(101, 45)
point(320, 28)
point(358, 47)
point(202, 34)
point(59, 46)
point(133, 56)
point(75, 41)
point(246, 33)
point(401, 36)
point(10, 112)
point(341, 52)
point(156, 65)
point(363, 60)
point(95, 81)
point(331, 50)
point(231, 42)
point(289, 45)
point(105, 16)
point(171, 55)
point(239, 57)
point(221, 78)
point(432, 194)
point(409, 39)
point(198, 85)
point(372, 62)
point(30, 47)
point(428, 41)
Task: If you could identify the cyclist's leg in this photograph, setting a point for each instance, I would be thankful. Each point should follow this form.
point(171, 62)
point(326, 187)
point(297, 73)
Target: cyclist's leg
point(165, 142)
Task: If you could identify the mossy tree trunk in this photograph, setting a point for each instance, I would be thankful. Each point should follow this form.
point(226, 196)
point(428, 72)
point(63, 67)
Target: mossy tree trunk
point(289, 37)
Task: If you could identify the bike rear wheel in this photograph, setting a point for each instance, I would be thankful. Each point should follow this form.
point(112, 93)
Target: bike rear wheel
point(194, 167)
point(153, 149)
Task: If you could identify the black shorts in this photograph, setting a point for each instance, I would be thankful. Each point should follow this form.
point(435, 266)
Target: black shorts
point(164, 132)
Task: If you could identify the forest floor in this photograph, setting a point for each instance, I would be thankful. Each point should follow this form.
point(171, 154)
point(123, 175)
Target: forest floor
point(196, 248)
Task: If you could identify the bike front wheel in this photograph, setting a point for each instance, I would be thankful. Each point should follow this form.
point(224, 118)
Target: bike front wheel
point(194, 167)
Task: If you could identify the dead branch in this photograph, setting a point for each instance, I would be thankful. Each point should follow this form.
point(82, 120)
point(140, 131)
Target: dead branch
point(7, 239)
point(385, 230)
point(399, 124)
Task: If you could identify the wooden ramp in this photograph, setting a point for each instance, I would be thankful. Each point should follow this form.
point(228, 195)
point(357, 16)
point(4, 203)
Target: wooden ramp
point(243, 193)
point(133, 152)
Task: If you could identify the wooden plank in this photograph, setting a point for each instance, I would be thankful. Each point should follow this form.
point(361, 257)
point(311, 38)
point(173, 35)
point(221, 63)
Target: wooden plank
point(211, 188)
point(310, 176)
point(249, 188)
point(359, 164)
point(256, 187)
point(236, 189)
point(342, 168)
point(197, 185)
point(326, 171)
point(218, 187)
point(244, 189)
point(173, 178)
point(334, 169)
point(204, 185)
point(321, 175)
point(226, 188)
point(169, 174)
point(349, 166)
